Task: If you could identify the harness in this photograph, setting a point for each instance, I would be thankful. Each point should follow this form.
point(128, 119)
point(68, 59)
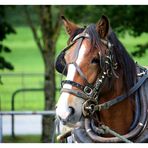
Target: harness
point(90, 93)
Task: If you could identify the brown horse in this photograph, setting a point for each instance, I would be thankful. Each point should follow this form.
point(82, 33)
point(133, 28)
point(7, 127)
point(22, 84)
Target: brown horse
point(99, 86)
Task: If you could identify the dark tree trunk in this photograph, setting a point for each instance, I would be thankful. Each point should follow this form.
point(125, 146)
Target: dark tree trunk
point(49, 84)
point(50, 32)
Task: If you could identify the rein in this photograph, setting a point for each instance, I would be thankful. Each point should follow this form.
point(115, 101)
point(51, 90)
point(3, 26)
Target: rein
point(118, 99)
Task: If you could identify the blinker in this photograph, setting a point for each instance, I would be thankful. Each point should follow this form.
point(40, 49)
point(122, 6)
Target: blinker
point(60, 63)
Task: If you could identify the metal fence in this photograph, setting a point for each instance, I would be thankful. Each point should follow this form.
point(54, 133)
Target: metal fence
point(12, 113)
point(15, 81)
point(17, 87)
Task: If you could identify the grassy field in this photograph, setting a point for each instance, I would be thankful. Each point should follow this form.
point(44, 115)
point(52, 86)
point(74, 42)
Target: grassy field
point(26, 58)
point(22, 139)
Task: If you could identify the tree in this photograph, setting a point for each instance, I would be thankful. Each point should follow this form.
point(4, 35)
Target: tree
point(49, 18)
point(123, 18)
point(5, 29)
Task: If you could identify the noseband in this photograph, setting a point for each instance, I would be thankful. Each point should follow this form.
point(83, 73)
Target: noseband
point(90, 92)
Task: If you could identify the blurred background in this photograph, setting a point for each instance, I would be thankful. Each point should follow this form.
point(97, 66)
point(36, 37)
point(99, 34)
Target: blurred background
point(31, 37)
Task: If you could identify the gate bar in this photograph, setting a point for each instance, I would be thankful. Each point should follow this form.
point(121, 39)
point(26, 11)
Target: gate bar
point(50, 112)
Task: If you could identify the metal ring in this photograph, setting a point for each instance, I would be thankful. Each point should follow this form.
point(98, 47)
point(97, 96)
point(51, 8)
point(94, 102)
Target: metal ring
point(88, 90)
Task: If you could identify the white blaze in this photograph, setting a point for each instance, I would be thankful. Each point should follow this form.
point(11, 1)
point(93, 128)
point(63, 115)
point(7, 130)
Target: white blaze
point(62, 105)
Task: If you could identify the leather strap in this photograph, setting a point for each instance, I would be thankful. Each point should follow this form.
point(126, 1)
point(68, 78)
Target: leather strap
point(81, 73)
point(76, 93)
point(75, 56)
point(118, 99)
point(75, 84)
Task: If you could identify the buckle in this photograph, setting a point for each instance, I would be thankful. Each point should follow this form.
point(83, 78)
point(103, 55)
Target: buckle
point(89, 107)
point(88, 90)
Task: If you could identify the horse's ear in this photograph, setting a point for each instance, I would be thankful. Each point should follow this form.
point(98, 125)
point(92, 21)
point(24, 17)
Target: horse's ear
point(70, 26)
point(103, 26)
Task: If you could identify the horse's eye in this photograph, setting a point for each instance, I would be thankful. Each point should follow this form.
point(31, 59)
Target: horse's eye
point(95, 61)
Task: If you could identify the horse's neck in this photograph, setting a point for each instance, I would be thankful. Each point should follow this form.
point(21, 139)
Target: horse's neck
point(119, 116)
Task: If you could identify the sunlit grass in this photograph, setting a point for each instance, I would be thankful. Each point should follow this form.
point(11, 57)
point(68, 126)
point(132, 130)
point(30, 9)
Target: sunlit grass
point(22, 139)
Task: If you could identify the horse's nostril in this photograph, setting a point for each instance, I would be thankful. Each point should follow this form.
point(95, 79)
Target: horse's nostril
point(65, 117)
point(62, 120)
point(71, 110)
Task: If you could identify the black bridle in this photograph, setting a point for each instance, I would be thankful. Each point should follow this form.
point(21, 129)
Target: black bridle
point(90, 92)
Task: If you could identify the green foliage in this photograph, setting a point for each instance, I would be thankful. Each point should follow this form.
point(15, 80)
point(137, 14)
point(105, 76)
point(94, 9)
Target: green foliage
point(15, 14)
point(142, 50)
point(122, 18)
point(5, 29)
point(128, 18)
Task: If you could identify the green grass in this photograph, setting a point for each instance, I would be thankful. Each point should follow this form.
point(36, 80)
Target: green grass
point(26, 58)
point(22, 139)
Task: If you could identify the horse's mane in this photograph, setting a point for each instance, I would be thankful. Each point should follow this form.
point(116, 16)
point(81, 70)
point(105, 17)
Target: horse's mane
point(125, 62)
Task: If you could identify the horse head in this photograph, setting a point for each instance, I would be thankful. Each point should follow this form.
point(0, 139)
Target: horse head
point(87, 58)
point(99, 74)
